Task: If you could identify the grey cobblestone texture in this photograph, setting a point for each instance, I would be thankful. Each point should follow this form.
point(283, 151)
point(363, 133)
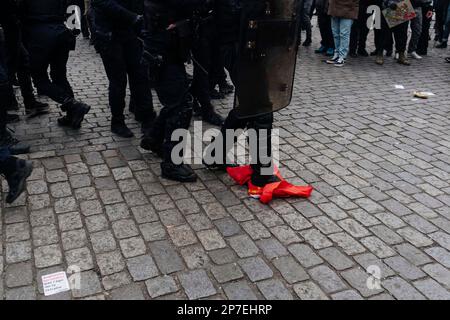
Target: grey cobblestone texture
point(379, 161)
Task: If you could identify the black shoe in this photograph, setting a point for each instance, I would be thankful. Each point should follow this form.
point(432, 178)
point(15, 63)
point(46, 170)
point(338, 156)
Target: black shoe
point(216, 95)
point(17, 180)
point(363, 53)
point(14, 146)
point(226, 88)
point(12, 118)
point(442, 45)
point(261, 181)
point(75, 114)
point(212, 117)
point(149, 143)
point(180, 173)
point(36, 108)
point(307, 42)
point(373, 53)
point(121, 129)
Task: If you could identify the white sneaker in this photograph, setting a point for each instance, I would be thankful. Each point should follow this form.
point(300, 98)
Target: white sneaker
point(333, 60)
point(414, 55)
point(339, 63)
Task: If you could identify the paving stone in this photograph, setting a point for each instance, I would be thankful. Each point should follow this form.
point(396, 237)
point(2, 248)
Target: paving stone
point(89, 285)
point(347, 295)
point(80, 258)
point(290, 270)
point(243, 246)
point(70, 221)
point(401, 289)
point(223, 256)
point(316, 239)
point(47, 256)
point(142, 268)
point(378, 247)
point(305, 255)
point(116, 280)
point(438, 273)
point(166, 258)
point(285, 235)
point(432, 290)
point(42, 217)
point(195, 257)
point(362, 281)
point(199, 222)
point(153, 231)
point(412, 254)
point(239, 291)
point(274, 290)
point(17, 232)
point(297, 222)
point(353, 228)
point(336, 259)
point(182, 235)
point(227, 227)
point(370, 261)
point(73, 239)
point(96, 223)
point(308, 290)
point(272, 248)
point(197, 285)
point(111, 262)
point(256, 269)
point(161, 286)
point(132, 247)
point(18, 275)
point(22, 293)
point(144, 214)
point(125, 229)
point(103, 241)
point(327, 279)
point(440, 255)
point(227, 273)
point(129, 292)
point(416, 238)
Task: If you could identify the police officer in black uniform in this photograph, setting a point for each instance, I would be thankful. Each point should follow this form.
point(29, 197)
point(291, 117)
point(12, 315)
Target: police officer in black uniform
point(167, 45)
point(49, 43)
point(8, 143)
point(118, 23)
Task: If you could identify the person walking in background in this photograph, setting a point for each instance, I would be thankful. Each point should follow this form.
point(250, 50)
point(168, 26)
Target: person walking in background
point(324, 21)
point(360, 31)
point(306, 21)
point(416, 29)
point(342, 13)
point(427, 17)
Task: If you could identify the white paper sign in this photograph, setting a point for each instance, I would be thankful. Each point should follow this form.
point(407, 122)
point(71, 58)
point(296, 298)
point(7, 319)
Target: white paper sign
point(55, 283)
point(399, 86)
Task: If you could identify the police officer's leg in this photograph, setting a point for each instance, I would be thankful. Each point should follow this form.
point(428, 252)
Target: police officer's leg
point(58, 70)
point(114, 62)
point(141, 95)
point(173, 89)
point(262, 166)
point(201, 82)
point(32, 106)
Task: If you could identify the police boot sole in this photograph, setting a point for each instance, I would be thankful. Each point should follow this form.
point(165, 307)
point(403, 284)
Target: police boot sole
point(21, 188)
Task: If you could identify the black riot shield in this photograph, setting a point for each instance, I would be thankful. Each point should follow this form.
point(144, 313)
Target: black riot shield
point(265, 67)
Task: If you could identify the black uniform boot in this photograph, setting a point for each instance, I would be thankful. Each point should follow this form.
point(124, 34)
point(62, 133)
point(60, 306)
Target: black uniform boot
point(120, 128)
point(75, 114)
point(17, 177)
point(34, 108)
point(14, 146)
point(180, 173)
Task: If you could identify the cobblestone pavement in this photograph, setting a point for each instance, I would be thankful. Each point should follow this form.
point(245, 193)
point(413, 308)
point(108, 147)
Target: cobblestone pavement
point(380, 163)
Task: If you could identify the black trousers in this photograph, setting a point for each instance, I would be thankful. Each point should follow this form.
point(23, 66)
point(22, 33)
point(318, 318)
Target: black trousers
point(6, 90)
point(384, 37)
point(49, 46)
point(422, 46)
point(20, 66)
point(233, 122)
point(203, 55)
point(172, 88)
point(326, 33)
point(122, 61)
point(359, 33)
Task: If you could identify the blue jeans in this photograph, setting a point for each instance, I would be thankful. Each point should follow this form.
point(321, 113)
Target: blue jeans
point(341, 33)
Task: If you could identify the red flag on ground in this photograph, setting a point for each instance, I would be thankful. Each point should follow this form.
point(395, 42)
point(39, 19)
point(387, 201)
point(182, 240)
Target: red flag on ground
point(281, 189)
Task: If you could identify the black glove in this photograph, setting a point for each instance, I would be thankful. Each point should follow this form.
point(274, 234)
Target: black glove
point(393, 6)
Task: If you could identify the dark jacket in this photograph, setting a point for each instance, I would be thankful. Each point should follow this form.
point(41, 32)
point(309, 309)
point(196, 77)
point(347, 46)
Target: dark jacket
point(228, 15)
point(347, 9)
point(44, 11)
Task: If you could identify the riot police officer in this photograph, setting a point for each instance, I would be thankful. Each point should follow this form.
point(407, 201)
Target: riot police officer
point(167, 45)
point(49, 43)
point(117, 26)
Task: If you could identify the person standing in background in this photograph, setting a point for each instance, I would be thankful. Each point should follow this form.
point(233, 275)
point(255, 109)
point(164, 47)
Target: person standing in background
point(342, 13)
point(306, 21)
point(427, 17)
point(416, 29)
point(324, 21)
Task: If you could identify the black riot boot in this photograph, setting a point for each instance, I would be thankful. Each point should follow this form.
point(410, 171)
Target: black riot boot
point(16, 172)
point(176, 172)
point(75, 112)
point(153, 130)
point(34, 108)
point(14, 146)
point(119, 127)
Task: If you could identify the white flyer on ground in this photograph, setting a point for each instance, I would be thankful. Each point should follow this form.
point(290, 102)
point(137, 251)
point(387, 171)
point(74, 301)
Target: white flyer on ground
point(55, 283)
point(399, 86)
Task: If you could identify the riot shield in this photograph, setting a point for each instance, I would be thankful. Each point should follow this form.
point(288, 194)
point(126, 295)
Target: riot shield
point(265, 67)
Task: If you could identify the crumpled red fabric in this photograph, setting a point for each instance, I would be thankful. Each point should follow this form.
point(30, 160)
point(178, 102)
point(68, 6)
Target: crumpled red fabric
point(281, 189)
